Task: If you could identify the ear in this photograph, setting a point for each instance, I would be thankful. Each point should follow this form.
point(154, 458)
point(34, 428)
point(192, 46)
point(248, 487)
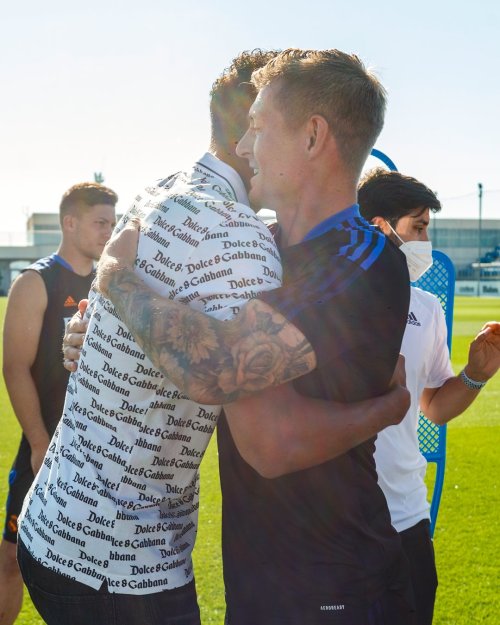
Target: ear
point(382, 224)
point(68, 223)
point(317, 134)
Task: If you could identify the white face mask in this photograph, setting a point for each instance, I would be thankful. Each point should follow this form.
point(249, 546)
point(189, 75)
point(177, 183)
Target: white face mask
point(418, 256)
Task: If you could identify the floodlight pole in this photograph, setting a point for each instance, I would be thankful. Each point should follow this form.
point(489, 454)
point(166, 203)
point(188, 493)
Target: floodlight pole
point(480, 197)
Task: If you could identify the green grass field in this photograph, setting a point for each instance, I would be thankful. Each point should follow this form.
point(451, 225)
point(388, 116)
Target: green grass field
point(467, 539)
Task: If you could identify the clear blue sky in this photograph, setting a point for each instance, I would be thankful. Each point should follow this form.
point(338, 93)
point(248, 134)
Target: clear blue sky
point(121, 86)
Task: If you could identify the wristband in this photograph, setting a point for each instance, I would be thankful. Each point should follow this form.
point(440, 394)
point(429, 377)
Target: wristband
point(472, 384)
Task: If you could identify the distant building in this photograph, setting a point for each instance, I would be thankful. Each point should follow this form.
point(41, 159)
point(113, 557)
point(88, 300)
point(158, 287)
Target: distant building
point(42, 237)
point(458, 238)
point(43, 229)
point(475, 253)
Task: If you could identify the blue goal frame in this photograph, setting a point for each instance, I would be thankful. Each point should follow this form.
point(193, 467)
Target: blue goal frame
point(440, 281)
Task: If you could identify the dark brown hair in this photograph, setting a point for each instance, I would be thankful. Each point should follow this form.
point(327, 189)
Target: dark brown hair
point(392, 195)
point(83, 196)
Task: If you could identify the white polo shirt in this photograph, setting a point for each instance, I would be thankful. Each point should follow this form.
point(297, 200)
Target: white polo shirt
point(117, 496)
point(400, 465)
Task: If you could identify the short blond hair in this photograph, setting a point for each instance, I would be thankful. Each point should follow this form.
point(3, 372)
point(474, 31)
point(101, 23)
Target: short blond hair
point(336, 86)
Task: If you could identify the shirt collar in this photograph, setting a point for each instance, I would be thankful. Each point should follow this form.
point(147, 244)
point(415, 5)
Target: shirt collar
point(61, 261)
point(228, 173)
point(333, 221)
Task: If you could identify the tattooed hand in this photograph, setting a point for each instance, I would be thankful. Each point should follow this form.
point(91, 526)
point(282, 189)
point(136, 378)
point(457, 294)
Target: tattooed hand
point(120, 252)
point(211, 361)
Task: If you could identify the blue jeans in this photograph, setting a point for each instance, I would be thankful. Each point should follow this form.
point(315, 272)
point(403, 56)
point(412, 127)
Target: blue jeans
point(63, 601)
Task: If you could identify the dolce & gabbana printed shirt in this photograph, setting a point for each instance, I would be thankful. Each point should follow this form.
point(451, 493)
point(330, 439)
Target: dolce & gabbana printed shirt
point(116, 499)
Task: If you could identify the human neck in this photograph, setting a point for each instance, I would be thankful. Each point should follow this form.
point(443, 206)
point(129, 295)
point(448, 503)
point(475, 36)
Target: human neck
point(81, 265)
point(310, 211)
point(228, 157)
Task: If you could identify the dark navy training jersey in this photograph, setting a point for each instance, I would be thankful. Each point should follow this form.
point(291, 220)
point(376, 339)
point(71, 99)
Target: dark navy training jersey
point(321, 540)
point(65, 289)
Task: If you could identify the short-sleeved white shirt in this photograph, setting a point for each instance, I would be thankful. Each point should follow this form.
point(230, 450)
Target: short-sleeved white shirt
point(400, 465)
point(117, 496)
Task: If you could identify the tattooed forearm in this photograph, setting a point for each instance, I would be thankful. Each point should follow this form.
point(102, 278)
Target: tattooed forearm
point(211, 361)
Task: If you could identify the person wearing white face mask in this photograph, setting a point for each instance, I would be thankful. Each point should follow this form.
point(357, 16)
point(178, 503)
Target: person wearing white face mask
point(400, 206)
point(418, 253)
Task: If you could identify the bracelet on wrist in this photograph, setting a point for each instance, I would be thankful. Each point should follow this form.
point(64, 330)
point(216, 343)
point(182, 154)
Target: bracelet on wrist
point(469, 383)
